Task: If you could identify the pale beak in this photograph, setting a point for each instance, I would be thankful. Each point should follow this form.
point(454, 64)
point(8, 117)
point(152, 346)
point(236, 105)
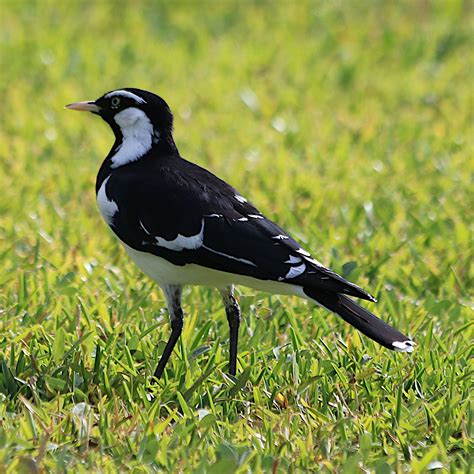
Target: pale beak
point(84, 107)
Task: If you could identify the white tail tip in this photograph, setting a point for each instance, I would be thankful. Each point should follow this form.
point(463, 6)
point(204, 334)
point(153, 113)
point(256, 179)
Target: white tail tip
point(403, 346)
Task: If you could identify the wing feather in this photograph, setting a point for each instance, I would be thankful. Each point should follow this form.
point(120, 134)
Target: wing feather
point(187, 215)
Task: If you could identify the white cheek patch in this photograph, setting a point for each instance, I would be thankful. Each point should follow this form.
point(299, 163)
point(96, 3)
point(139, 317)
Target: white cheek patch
point(107, 207)
point(129, 95)
point(131, 118)
point(137, 132)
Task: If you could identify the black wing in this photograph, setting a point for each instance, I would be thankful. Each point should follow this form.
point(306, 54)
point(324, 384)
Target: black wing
point(183, 213)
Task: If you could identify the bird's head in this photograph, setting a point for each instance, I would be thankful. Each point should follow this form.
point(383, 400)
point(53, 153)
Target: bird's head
point(131, 111)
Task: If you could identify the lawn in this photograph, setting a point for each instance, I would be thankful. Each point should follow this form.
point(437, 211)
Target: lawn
point(350, 124)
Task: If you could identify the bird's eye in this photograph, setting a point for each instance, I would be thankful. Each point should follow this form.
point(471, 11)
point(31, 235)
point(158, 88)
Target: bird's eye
point(115, 102)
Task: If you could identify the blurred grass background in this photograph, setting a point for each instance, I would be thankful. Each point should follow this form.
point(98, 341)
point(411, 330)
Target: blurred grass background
point(351, 124)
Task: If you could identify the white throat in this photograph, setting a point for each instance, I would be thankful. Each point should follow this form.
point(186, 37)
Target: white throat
point(137, 133)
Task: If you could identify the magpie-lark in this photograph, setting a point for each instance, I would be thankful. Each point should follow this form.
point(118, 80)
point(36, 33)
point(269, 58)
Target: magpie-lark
point(184, 226)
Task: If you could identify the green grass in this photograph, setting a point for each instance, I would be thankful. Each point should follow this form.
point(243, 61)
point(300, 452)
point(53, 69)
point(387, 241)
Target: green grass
point(350, 123)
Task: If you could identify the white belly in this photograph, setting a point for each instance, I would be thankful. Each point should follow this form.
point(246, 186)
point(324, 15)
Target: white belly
point(165, 273)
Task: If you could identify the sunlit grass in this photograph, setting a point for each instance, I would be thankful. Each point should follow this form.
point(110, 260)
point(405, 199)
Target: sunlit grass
point(350, 123)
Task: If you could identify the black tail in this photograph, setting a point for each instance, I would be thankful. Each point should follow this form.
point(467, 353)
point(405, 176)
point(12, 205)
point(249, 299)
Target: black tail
point(362, 319)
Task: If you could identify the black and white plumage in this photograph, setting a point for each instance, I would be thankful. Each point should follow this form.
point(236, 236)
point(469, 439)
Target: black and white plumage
point(184, 226)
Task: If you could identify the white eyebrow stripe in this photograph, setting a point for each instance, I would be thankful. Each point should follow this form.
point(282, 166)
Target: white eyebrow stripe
point(130, 95)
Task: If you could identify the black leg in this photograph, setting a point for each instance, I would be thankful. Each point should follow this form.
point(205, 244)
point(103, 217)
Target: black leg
point(173, 299)
point(232, 310)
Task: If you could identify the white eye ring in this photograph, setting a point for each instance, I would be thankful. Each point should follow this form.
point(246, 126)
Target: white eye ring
point(115, 102)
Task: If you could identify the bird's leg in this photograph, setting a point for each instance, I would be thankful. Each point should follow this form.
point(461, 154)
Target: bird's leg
point(232, 310)
point(173, 300)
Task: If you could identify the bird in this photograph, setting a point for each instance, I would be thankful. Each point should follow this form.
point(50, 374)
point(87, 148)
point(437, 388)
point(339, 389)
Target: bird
point(182, 225)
